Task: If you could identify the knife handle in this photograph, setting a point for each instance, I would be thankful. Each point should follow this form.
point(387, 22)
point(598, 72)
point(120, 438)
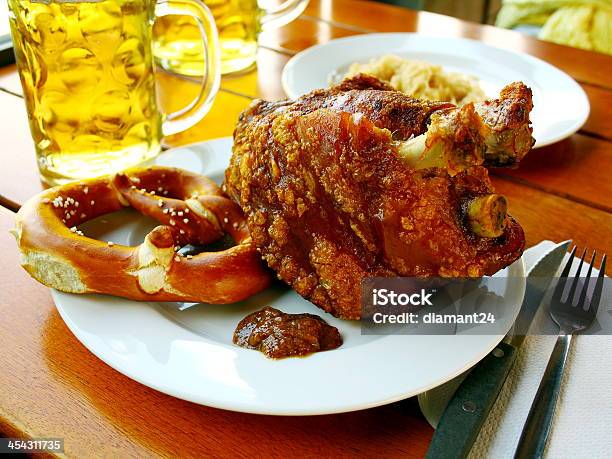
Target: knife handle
point(539, 420)
point(468, 408)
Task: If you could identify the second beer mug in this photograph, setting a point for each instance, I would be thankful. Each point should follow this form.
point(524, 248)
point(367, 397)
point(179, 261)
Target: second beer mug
point(239, 22)
point(86, 68)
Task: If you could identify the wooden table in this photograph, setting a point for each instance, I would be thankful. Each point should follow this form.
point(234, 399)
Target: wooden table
point(51, 386)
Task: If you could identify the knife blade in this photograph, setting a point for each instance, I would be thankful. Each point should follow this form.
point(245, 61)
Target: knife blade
point(469, 407)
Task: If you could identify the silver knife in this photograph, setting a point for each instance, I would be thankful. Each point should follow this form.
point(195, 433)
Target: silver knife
point(468, 408)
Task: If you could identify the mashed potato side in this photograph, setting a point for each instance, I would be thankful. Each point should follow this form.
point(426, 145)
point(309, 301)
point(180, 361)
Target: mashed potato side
point(422, 80)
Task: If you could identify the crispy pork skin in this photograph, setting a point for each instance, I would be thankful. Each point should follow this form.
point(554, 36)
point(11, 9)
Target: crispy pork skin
point(330, 201)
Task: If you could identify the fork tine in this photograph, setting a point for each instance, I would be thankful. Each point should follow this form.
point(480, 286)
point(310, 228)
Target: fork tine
point(599, 285)
point(568, 266)
point(585, 287)
point(563, 279)
point(572, 292)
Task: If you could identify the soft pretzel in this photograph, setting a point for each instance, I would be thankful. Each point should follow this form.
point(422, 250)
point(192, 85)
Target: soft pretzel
point(192, 209)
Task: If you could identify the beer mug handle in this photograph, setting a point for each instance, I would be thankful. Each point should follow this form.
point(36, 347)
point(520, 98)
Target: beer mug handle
point(278, 16)
point(188, 116)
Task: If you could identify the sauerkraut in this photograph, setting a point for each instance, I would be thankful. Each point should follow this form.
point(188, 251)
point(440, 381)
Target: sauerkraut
point(422, 80)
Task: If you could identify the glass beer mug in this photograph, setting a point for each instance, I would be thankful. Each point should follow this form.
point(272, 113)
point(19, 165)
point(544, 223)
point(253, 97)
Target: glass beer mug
point(177, 48)
point(86, 68)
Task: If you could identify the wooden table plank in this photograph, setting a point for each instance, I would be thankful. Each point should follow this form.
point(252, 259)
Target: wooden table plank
point(578, 168)
point(599, 123)
point(301, 34)
point(265, 82)
point(51, 385)
point(175, 93)
point(546, 216)
point(366, 16)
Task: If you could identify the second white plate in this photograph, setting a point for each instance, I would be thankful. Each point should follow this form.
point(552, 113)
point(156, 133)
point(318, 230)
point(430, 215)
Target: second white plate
point(561, 107)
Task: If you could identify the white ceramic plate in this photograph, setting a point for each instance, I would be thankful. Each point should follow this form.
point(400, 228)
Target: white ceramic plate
point(560, 105)
point(189, 353)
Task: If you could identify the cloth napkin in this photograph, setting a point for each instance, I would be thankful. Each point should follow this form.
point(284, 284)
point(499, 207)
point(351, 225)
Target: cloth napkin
point(582, 427)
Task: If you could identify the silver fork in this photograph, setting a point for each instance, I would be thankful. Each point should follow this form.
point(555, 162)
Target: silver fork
point(571, 319)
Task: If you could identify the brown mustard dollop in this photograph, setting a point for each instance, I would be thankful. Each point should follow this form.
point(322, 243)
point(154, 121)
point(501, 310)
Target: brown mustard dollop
point(277, 334)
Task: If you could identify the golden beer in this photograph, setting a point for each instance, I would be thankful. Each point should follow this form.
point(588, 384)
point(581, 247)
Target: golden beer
point(86, 68)
point(239, 22)
point(177, 44)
